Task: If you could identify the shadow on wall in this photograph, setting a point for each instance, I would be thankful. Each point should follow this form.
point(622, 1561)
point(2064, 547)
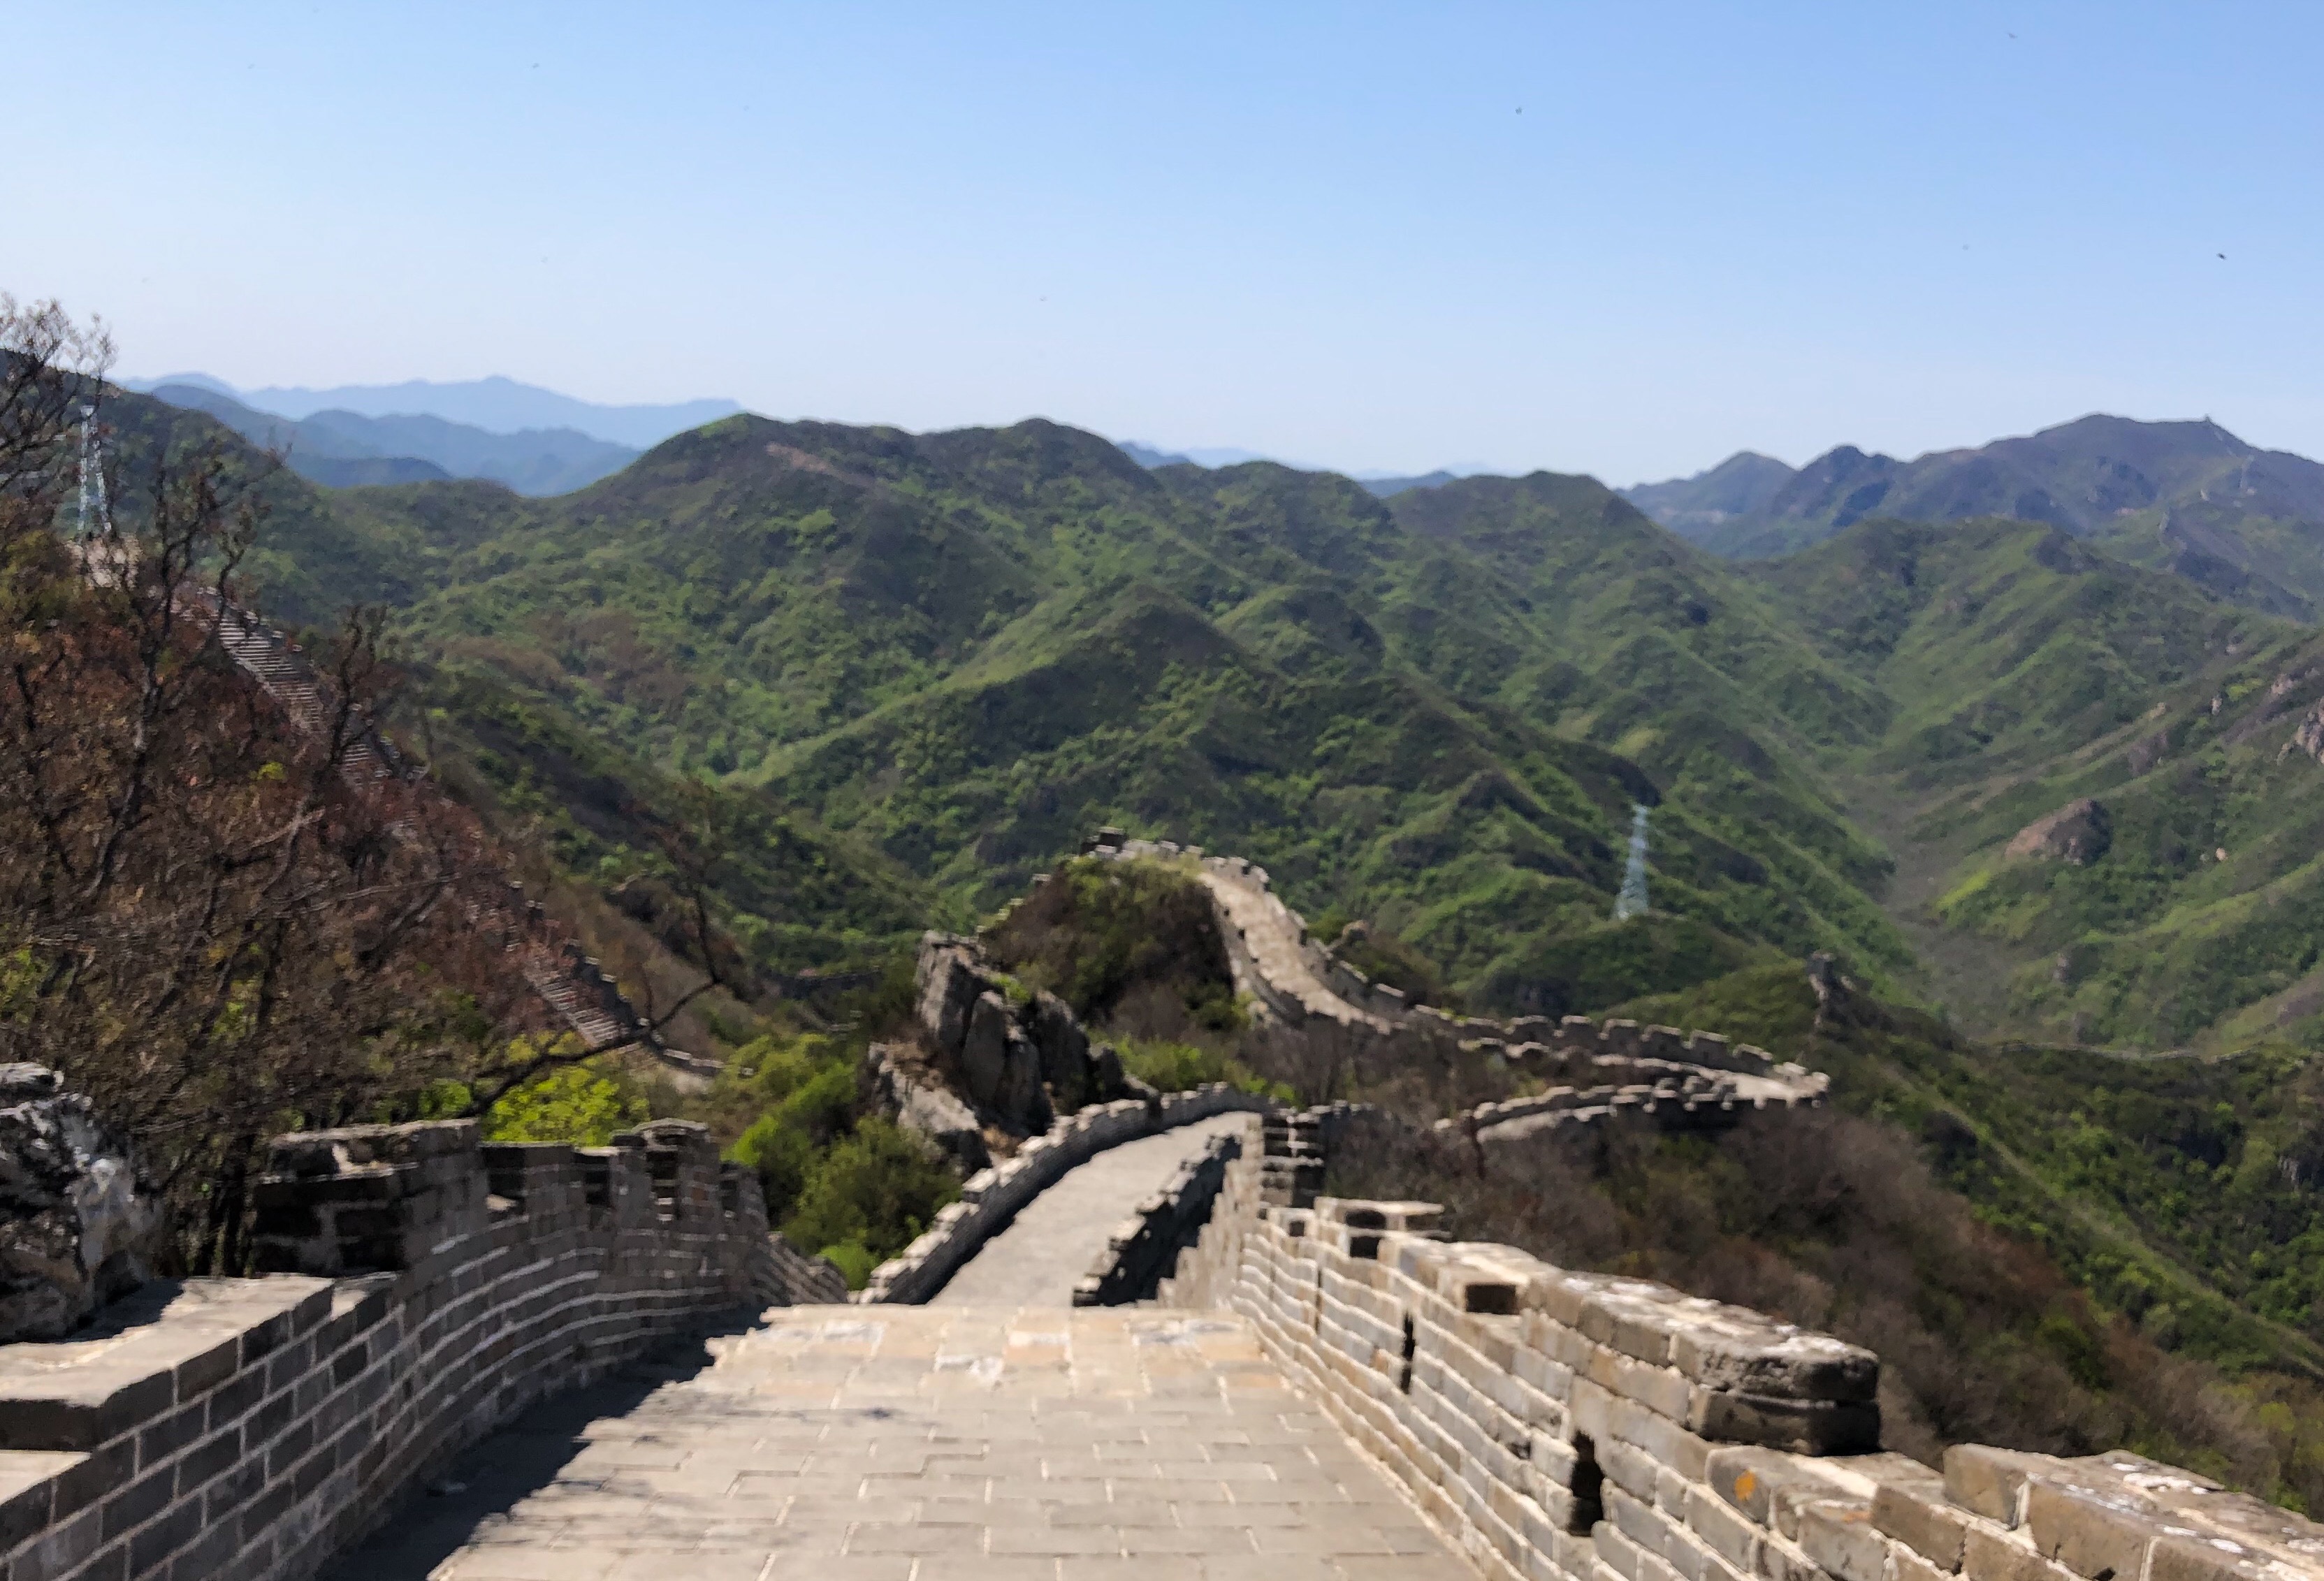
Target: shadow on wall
point(492, 1478)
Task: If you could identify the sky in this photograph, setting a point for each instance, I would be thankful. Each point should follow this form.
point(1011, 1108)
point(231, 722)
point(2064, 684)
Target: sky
point(1626, 240)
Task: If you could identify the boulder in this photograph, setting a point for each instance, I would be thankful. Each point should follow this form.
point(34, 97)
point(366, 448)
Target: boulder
point(1106, 1075)
point(949, 984)
point(1022, 1103)
point(2076, 833)
point(926, 1108)
point(2310, 735)
point(1063, 1048)
point(80, 1224)
point(984, 1052)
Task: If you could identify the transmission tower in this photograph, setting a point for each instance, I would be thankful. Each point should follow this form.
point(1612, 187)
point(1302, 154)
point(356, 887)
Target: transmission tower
point(1632, 901)
point(95, 513)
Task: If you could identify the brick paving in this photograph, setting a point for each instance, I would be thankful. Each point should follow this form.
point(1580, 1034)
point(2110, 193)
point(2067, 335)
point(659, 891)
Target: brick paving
point(1058, 1236)
point(949, 1443)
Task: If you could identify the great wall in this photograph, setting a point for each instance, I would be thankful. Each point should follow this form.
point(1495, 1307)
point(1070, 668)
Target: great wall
point(445, 1372)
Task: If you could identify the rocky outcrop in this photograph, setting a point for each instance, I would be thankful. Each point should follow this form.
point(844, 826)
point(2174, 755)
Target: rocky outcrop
point(905, 1089)
point(995, 1054)
point(2309, 736)
point(2076, 833)
point(78, 1224)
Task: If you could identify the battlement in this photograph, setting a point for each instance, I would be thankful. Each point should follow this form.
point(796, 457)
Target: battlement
point(1561, 1426)
point(423, 1287)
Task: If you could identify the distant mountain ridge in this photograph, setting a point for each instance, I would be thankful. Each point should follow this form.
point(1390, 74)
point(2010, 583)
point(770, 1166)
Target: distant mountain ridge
point(497, 405)
point(1383, 485)
point(2185, 497)
point(344, 449)
point(1742, 485)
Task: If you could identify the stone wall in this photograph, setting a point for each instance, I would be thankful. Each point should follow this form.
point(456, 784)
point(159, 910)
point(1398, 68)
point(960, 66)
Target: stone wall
point(426, 1289)
point(1560, 1425)
point(993, 1196)
point(1595, 1070)
point(1145, 1247)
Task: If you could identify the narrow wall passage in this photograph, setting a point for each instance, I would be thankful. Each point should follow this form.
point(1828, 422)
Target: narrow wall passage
point(1054, 1238)
point(930, 1443)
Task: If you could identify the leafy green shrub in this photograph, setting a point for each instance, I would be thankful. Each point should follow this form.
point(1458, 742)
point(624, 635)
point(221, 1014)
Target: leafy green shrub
point(876, 1191)
point(1175, 1067)
point(1101, 932)
point(575, 1104)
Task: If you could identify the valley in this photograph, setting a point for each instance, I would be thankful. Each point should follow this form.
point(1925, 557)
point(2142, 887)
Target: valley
point(939, 660)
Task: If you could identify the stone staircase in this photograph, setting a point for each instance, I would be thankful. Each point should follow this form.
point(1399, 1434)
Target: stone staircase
point(581, 998)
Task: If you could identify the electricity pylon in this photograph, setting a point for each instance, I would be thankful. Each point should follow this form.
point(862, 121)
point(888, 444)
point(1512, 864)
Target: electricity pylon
point(1632, 901)
point(94, 516)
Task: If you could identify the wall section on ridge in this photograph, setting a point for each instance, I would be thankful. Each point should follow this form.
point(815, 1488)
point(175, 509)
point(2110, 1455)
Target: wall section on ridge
point(427, 1288)
point(1575, 1427)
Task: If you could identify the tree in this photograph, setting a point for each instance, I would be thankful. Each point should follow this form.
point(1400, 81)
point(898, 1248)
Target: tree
point(222, 915)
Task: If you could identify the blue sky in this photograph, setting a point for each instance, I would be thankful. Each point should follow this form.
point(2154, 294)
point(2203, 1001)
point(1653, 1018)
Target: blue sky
point(1325, 231)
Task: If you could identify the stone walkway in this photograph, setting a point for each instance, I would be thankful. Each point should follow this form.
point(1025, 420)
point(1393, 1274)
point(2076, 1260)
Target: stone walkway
point(928, 1444)
point(1054, 1238)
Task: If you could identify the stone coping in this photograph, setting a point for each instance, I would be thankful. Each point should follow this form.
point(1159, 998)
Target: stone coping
point(993, 1196)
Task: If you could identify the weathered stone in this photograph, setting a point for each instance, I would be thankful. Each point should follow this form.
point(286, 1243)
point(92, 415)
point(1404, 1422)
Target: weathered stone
point(1106, 1074)
point(1989, 1480)
point(1841, 1538)
point(1750, 1479)
point(79, 1224)
point(2076, 834)
point(1740, 1351)
point(1065, 1051)
point(2093, 1533)
point(1803, 1427)
point(985, 1051)
point(1917, 1515)
point(949, 987)
point(1987, 1556)
point(1022, 1103)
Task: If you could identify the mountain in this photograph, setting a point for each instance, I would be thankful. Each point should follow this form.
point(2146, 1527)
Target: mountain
point(1381, 483)
point(1386, 487)
point(962, 650)
point(1739, 486)
point(965, 650)
point(1149, 455)
point(496, 405)
point(2102, 783)
point(2185, 497)
point(342, 449)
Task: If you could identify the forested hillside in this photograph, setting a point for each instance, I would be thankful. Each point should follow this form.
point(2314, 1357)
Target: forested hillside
point(939, 660)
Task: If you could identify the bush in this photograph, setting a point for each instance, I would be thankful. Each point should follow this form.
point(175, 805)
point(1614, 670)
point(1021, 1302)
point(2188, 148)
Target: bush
point(1102, 933)
point(575, 1104)
point(874, 1191)
point(1175, 1067)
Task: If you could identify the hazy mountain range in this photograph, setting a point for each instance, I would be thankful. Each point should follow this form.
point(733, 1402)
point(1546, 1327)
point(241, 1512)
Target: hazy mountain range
point(345, 449)
point(496, 405)
point(2185, 497)
point(1381, 483)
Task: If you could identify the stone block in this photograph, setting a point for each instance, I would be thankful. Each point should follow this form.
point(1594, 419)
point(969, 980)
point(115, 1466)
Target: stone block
point(1728, 1349)
point(1988, 1555)
point(1991, 1482)
point(1723, 1528)
point(1841, 1538)
point(1749, 1479)
point(1803, 1427)
point(2101, 1535)
point(1918, 1516)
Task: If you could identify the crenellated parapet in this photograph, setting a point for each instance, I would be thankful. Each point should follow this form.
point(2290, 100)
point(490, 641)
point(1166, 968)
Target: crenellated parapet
point(1563, 1426)
point(993, 1196)
point(422, 1287)
point(1592, 1073)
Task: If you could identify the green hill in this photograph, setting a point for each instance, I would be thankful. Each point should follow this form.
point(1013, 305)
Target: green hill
point(2189, 498)
point(957, 652)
